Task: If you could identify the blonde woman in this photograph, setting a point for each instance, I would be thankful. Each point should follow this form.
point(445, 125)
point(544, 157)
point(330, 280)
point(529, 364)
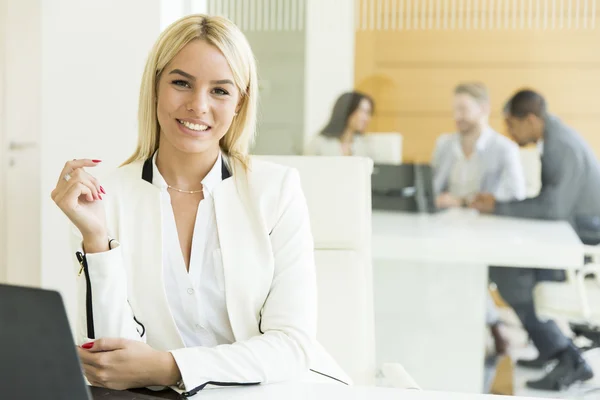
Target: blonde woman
point(196, 262)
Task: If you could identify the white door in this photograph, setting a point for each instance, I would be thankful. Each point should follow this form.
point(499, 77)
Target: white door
point(2, 145)
point(19, 153)
point(3, 141)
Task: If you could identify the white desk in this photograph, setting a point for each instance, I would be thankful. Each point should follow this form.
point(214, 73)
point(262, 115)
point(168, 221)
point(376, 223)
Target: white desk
point(303, 391)
point(465, 236)
point(430, 275)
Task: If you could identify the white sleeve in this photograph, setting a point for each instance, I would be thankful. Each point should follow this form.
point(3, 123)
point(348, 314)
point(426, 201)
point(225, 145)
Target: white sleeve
point(287, 319)
point(512, 182)
point(103, 307)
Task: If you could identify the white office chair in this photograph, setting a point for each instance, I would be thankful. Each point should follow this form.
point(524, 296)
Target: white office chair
point(577, 299)
point(385, 147)
point(338, 193)
point(532, 168)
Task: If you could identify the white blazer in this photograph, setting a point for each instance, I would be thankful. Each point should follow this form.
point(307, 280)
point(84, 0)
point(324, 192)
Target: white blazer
point(266, 265)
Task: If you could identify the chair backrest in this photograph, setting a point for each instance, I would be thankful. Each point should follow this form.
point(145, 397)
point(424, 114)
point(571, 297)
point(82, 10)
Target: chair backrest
point(338, 193)
point(532, 168)
point(385, 147)
point(576, 299)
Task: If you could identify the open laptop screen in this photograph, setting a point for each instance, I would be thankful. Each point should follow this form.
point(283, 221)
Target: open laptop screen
point(38, 358)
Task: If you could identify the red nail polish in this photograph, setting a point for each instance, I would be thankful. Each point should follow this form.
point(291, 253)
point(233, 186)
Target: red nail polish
point(97, 161)
point(100, 197)
point(88, 345)
point(102, 190)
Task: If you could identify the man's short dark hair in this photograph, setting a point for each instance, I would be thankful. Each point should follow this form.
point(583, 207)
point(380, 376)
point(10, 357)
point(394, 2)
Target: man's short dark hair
point(526, 102)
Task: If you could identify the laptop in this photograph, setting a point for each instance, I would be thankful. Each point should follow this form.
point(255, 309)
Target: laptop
point(405, 187)
point(38, 357)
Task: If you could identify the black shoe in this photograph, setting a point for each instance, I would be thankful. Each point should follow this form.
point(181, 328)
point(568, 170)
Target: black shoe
point(571, 368)
point(536, 363)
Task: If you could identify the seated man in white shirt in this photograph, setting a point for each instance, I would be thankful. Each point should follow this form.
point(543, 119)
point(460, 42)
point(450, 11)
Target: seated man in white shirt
point(476, 159)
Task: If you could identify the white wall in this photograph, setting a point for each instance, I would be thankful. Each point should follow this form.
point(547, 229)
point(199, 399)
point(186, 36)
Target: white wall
point(329, 59)
point(172, 10)
point(93, 56)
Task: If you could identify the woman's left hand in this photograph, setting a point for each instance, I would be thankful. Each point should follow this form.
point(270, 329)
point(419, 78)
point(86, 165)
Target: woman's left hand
point(124, 364)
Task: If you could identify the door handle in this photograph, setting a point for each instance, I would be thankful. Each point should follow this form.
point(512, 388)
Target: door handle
point(19, 146)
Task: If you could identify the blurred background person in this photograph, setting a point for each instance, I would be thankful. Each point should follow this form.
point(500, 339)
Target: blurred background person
point(342, 136)
point(475, 158)
point(570, 191)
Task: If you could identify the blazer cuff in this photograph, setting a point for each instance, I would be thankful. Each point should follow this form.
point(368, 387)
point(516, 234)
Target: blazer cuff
point(193, 369)
point(104, 264)
point(203, 368)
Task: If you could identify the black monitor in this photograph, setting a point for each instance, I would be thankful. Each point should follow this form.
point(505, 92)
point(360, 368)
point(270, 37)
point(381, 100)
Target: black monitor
point(406, 187)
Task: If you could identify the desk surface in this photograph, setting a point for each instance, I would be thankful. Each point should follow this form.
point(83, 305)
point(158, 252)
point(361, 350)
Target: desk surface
point(303, 391)
point(464, 236)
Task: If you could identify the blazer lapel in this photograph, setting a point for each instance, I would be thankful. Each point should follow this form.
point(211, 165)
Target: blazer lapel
point(246, 255)
point(145, 224)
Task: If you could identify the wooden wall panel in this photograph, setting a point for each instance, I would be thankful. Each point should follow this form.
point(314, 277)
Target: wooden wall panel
point(428, 90)
point(411, 72)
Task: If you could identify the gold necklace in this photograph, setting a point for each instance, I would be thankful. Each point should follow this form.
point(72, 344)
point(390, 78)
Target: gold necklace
point(185, 191)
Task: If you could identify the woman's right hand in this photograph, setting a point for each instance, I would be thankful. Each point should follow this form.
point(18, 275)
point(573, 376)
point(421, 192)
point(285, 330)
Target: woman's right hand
point(79, 195)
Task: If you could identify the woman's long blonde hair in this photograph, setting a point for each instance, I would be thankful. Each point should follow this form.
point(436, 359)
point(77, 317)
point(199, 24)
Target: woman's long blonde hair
point(224, 35)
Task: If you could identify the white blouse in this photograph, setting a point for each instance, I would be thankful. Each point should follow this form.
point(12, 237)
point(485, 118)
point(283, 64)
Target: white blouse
point(196, 298)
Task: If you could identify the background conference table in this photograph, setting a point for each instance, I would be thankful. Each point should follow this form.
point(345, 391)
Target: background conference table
point(430, 278)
